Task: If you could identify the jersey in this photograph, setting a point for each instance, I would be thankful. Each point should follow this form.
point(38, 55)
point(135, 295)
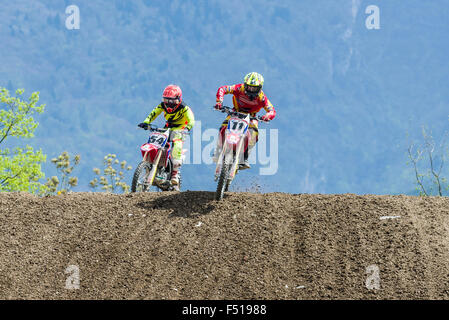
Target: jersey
point(182, 118)
point(242, 103)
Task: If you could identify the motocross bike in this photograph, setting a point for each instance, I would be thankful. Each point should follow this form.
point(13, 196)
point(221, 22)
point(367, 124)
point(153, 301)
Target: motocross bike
point(236, 138)
point(154, 172)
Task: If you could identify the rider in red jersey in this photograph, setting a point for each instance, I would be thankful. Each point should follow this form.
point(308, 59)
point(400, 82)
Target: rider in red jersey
point(248, 97)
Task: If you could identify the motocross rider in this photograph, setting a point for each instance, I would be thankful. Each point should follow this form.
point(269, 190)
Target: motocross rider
point(248, 97)
point(179, 117)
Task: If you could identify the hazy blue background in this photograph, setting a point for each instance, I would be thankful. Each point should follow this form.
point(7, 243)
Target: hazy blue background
point(345, 96)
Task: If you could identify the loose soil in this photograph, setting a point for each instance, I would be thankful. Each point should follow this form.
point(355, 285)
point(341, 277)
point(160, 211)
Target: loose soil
point(248, 246)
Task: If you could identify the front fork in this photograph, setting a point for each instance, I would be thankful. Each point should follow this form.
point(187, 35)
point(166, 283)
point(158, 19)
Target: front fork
point(236, 159)
point(154, 168)
point(220, 161)
point(225, 153)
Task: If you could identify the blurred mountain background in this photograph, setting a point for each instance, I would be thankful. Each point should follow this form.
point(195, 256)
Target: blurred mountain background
point(349, 100)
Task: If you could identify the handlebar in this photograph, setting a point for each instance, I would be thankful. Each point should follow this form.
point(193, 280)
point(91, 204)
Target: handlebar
point(230, 111)
point(152, 127)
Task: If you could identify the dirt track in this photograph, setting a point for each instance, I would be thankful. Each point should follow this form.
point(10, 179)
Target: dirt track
point(249, 246)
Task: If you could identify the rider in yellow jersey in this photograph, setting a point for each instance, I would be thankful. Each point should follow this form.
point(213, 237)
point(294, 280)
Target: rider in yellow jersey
point(179, 116)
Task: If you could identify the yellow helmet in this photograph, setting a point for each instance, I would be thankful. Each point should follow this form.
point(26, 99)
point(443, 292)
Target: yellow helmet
point(253, 83)
point(253, 79)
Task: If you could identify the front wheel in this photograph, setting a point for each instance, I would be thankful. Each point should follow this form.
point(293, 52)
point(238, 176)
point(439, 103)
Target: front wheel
point(140, 177)
point(227, 186)
point(223, 182)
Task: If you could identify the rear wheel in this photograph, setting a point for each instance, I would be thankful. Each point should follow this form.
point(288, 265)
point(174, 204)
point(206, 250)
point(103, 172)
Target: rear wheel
point(163, 176)
point(168, 171)
point(140, 177)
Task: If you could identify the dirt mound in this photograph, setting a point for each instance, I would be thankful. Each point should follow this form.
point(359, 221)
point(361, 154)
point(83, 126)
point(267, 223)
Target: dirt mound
point(248, 246)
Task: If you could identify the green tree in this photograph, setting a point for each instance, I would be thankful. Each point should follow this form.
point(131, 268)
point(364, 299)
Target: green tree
point(20, 168)
point(112, 178)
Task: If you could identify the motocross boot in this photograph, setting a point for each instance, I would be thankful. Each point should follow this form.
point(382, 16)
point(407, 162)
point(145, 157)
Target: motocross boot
point(175, 178)
point(245, 164)
point(175, 173)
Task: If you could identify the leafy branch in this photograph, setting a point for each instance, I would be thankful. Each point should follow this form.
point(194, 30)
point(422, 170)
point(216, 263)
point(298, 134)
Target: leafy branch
point(112, 178)
point(64, 168)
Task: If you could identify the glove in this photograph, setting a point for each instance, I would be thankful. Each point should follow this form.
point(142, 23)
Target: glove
point(143, 125)
point(218, 106)
point(266, 118)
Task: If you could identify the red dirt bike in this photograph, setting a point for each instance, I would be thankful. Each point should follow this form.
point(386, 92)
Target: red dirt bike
point(235, 142)
point(156, 167)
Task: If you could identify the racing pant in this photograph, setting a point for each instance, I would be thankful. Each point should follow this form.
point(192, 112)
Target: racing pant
point(178, 140)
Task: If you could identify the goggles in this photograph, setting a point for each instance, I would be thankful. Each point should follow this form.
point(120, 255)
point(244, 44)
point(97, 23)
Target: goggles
point(252, 89)
point(170, 101)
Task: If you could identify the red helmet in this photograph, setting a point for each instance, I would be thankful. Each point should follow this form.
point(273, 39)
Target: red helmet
point(172, 98)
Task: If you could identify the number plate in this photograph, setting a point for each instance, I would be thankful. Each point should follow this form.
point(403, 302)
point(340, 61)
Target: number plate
point(157, 139)
point(238, 126)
